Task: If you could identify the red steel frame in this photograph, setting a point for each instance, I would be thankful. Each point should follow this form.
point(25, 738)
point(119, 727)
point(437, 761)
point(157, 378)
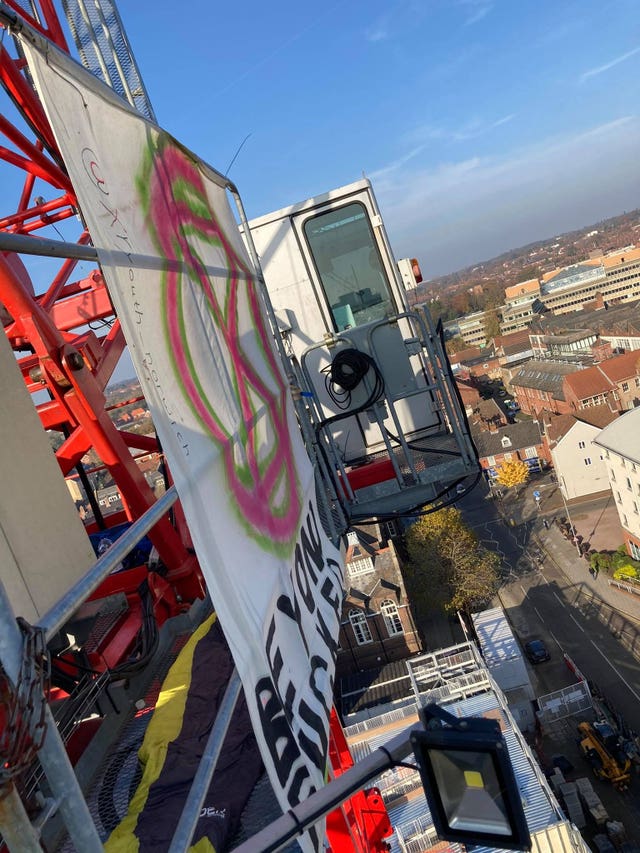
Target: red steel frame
point(75, 365)
point(65, 358)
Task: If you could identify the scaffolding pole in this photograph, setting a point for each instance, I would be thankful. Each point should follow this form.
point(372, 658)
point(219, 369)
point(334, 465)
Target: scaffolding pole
point(52, 756)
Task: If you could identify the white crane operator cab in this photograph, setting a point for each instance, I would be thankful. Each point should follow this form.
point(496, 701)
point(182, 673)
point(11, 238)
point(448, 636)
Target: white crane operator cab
point(373, 372)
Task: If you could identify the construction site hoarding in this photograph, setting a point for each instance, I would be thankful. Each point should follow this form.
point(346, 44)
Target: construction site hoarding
point(192, 313)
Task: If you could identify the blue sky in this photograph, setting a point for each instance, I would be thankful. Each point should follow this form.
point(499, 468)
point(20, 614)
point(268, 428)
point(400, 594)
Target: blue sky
point(483, 125)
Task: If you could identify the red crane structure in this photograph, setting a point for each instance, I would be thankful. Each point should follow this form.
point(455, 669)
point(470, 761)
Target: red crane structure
point(65, 334)
point(68, 341)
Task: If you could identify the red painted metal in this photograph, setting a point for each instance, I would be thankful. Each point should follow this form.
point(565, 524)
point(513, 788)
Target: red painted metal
point(72, 364)
point(370, 474)
point(362, 824)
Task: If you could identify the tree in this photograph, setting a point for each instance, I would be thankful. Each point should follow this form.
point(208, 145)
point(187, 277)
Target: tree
point(448, 567)
point(513, 472)
point(455, 344)
point(491, 324)
point(529, 273)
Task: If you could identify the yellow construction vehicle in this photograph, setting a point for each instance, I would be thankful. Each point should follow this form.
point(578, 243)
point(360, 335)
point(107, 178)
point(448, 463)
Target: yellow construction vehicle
point(600, 745)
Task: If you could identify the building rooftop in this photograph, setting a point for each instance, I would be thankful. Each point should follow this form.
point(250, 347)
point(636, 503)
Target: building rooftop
point(545, 376)
point(604, 377)
point(572, 273)
point(487, 412)
point(589, 383)
point(373, 687)
point(495, 635)
point(622, 256)
point(457, 679)
point(531, 286)
point(570, 337)
point(621, 367)
point(621, 436)
point(616, 319)
point(596, 416)
point(521, 435)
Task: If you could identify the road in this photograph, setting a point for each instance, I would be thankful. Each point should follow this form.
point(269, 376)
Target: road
point(541, 602)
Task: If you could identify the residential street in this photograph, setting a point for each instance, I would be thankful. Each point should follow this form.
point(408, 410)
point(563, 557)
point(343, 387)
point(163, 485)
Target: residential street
point(548, 594)
point(556, 599)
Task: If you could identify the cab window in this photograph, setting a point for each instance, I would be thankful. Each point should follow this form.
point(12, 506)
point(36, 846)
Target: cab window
point(349, 265)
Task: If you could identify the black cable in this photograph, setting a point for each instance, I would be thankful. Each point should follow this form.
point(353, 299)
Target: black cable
point(346, 372)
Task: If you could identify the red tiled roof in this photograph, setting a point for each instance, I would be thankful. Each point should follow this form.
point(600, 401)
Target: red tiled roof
point(588, 382)
point(465, 354)
point(621, 366)
point(604, 376)
point(597, 416)
point(512, 339)
point(559, 425)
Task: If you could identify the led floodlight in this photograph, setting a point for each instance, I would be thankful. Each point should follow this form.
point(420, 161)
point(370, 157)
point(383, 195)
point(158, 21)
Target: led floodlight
point(468, 781)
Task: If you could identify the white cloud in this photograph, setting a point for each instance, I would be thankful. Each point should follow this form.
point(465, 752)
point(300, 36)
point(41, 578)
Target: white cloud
point(476, 10)
point(377, 32)
point(593, 72)
point(471, 129)
point(457, 213)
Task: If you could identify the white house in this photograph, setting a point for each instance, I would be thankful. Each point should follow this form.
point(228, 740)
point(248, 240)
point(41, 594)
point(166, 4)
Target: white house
point(580, 466)
point(620, 445)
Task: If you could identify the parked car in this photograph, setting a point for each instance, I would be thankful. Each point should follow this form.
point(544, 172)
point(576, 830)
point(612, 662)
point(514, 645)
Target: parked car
point(536, 651)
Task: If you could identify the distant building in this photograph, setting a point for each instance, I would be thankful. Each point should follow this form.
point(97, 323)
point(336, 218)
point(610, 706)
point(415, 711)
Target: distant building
point(521, 440)
point(565, 346)
point(621, 446)
point(377, 624)
point(579, 465)
point(614, 382)
point(479, 362)
point(471, 328)
point(603, 281)
point(513, 350)
point(614, 277)
point(538, 386)
point(520, 306)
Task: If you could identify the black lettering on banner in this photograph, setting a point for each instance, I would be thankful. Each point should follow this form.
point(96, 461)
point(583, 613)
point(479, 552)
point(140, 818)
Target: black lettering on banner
point(327, 636)
point(336, 600)
point(318, 663)
point(302, 580)
point(336, 569)
point(312, 545)
point(295, 701)
point(279, 738)
point(317, 752)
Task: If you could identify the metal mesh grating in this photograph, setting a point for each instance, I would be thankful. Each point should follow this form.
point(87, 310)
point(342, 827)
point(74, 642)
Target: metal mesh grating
point(105, 51)
point(120, 774)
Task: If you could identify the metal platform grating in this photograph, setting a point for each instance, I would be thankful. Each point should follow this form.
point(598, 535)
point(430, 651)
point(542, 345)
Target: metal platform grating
point(120, 774)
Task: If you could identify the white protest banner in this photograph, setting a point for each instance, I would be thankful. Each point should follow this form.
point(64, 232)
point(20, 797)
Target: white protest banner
point(184, 291)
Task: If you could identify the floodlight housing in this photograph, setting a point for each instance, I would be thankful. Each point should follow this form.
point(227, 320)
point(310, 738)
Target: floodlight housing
point(469, 782)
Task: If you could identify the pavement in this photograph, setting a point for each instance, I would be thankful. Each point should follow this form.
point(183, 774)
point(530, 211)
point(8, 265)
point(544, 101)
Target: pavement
point(596, 520)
